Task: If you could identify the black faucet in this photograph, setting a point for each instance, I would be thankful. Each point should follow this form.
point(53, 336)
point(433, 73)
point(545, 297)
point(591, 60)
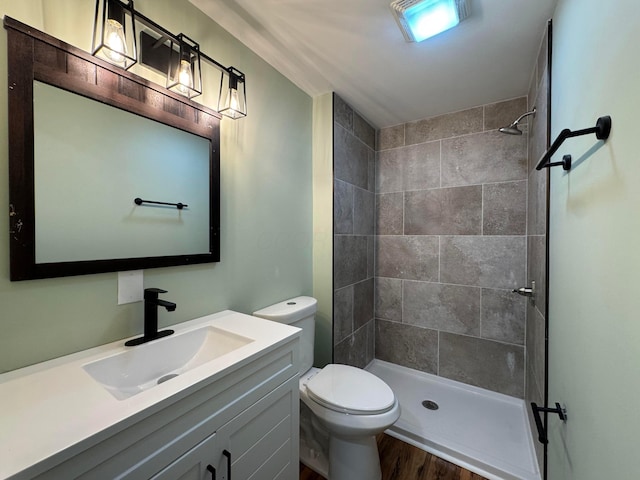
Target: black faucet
point(151, 303)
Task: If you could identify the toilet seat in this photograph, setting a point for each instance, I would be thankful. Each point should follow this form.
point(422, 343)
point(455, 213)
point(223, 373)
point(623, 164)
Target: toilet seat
point(350, 390)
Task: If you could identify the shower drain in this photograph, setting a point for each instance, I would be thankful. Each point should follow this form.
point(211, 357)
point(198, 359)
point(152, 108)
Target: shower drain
point(428, 404)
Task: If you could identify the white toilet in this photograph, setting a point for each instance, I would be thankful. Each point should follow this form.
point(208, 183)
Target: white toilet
point(345, 404)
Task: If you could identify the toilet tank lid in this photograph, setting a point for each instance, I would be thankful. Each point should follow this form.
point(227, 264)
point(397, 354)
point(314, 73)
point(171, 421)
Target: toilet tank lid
point(289, 311)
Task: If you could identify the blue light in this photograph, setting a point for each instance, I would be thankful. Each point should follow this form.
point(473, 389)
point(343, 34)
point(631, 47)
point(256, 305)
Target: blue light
point(431, 17)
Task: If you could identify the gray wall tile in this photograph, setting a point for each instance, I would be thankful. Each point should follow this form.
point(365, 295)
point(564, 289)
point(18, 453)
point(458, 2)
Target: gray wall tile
point(408, 168)
point(342, 313)
point(533, 91)
point(354, 162)
point(371, 340)
point(484, 158)
point(349, 260)
point(536, 344)
point(391, 137)
point(537, 202)
point(362, 303)
point(355, 349)
point(502, 114)
point(492, 262)
point(371, 173)
point(538, 125)
point(389, 213)
point(444, 126)
point(364, 131)
point(371, 256)
point(406, 345)
point(503, 316)
point(342, 207)
point(414, 199)
point(363, 212)
point(542, 57)
point(504, 208)
point(483, 363)
point(451, 308)
point(342, 113)
point(388, 298)
point(350, 158)
point(536, 268)
point(444, 211)
point(409, 257)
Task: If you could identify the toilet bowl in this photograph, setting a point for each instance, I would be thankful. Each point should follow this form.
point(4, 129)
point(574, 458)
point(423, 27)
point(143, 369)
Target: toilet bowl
point(349, 405)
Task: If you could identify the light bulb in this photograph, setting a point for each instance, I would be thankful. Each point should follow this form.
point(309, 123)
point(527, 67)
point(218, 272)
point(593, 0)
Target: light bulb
point(114, 39)
point(234, 102)
point(185, 77)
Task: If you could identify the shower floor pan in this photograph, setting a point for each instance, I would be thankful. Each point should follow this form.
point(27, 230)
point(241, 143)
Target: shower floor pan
point(485, 432)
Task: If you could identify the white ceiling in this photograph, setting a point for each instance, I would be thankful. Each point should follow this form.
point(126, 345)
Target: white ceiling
point(355, 48)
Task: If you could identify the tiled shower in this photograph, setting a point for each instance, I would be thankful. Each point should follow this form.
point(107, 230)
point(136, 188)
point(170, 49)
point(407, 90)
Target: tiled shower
point(436, 221)
point(430, 243)
point(451, 245)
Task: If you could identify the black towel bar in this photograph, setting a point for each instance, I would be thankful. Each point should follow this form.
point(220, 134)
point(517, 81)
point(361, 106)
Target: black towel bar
point(179, 206)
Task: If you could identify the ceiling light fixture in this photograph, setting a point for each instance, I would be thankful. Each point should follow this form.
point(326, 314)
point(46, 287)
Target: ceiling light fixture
point(422, 19)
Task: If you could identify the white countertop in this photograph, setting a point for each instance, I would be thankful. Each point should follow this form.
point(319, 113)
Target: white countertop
point(54, 406)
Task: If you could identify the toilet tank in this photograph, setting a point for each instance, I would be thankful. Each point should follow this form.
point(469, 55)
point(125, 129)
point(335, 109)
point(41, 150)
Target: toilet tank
point(299, 312)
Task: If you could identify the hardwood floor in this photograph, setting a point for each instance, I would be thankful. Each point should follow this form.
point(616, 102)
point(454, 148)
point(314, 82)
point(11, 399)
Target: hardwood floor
point(401, 461)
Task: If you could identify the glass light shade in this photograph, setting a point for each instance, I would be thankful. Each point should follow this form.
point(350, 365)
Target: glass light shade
point(184, 75)
point(114, 35)
point(422, 19)
point(232, 101)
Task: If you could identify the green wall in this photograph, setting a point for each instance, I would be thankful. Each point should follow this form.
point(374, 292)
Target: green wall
point(266, 214)
point(594, 324)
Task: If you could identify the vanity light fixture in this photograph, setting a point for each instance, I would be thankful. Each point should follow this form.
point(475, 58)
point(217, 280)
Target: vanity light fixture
point(184, 75)
point(422, 19)
point(176, 56)
point(114, 33)
point(232, 101)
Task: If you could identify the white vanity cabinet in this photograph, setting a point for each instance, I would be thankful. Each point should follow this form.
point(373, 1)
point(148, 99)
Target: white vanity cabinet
point(245, 420)
point(256, 444)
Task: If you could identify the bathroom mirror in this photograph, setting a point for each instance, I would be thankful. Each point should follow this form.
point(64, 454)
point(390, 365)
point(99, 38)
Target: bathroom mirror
point(92, 148)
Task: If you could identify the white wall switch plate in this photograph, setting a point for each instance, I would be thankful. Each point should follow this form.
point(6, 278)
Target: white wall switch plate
point(130, 286)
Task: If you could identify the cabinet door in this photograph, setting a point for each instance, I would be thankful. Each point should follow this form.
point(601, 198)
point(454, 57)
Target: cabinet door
point(261, 443)
point(199, 463)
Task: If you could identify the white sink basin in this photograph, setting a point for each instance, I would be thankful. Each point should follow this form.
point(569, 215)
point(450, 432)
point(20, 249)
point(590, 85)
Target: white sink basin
point(144, 366)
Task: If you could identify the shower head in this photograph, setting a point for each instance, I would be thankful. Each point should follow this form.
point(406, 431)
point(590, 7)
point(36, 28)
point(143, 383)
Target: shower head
point(513, 128)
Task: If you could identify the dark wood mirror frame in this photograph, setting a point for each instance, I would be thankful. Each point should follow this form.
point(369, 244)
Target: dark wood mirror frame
point(34, 55)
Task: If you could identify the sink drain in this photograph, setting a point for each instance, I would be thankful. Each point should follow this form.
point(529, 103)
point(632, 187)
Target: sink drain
point(166, 377)
point(429, 405)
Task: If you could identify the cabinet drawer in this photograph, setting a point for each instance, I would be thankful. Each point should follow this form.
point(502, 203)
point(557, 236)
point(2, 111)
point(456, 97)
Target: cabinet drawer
point(160, 437)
